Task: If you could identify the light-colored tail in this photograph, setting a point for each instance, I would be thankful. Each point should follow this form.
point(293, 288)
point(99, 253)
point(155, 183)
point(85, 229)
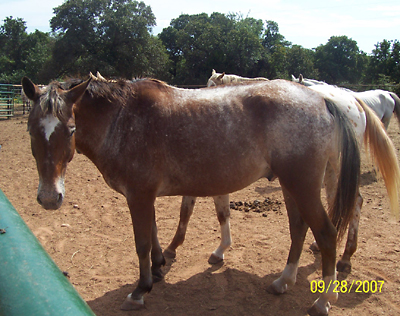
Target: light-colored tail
point(383, 154)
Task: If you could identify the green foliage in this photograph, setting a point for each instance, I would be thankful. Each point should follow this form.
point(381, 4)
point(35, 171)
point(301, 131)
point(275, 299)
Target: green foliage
point(21, 53)
point(384, 63)
point(114, 37)
point(339, 60)
point(108, 35)
point(300, 60)
point(198, 43)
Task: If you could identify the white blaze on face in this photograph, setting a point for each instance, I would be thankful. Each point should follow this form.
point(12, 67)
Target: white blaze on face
point(59, 185)
point(49, 124)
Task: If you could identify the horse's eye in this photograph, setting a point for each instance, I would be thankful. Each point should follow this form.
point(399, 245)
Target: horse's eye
point(72, 130)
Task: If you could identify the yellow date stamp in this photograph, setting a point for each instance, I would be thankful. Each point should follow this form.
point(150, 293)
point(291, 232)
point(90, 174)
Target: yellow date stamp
point(355, 286)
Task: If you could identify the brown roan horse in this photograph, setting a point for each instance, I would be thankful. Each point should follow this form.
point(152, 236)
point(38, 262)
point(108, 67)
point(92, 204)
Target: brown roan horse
point(370, 131)
point(149, 139)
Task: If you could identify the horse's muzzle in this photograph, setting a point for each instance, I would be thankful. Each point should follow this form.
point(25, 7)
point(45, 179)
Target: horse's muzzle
point(50, 201)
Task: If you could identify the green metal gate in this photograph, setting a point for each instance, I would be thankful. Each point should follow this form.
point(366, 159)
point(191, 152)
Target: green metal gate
point(30, 282)
point(6, 100)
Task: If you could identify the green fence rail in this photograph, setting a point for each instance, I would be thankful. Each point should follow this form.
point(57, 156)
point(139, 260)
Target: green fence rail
point(7, 94)
point(31, 284)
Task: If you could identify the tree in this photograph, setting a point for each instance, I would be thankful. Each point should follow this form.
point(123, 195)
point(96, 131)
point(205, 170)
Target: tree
point(38, 56)
point(198, 43)
point(272, 38)
point(395, 62)
point(384, 63)
point(112, 36)
point(301, 61)
point(339, 60)
point(22, 54)
point(276, 48)
point(12, 49)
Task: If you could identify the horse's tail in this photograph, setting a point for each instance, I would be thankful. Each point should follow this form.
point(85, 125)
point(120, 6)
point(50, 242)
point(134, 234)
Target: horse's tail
point(383, 153)
point(396, 105)
point(342, 208)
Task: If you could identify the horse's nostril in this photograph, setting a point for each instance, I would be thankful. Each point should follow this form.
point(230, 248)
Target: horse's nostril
point(60, 197)
point(39, 200)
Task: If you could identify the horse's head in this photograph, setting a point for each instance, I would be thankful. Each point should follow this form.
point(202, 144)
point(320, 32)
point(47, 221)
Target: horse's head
point(215, 79)
point(51, 125)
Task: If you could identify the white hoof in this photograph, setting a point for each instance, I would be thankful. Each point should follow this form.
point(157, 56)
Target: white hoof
point(277, 287)
point(319, 309)
point(131, 304)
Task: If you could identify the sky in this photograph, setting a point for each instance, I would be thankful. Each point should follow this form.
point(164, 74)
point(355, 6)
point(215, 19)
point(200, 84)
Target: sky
point(308, 23)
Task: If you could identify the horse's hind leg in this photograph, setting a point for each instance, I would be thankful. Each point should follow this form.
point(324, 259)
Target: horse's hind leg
point(157, 258)
point(298, 230)
point(330, 182)
point(305, 195)
point(344, 264)
point(223, 213)
point(325, 234)
point(187, 207)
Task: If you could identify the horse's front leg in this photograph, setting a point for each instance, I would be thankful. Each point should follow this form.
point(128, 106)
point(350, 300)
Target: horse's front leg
point(142, 213)
point(223, 213)
point(185, 213)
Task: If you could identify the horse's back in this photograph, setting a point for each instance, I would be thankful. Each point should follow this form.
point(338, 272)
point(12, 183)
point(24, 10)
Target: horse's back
point(273, 125)
point(379, 101)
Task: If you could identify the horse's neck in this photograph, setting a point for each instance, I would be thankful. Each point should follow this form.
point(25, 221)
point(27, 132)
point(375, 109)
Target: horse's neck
point(234, 78)
point(229, 79)
point(92, 124)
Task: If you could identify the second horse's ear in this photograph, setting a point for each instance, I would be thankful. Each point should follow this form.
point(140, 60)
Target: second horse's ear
point(31, 90)
point(74, 94)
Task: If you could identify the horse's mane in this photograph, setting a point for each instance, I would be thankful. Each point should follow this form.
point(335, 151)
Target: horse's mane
point(118, 91)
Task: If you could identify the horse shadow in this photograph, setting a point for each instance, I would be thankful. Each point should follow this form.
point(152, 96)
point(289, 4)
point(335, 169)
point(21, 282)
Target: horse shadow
point(223, 291)
point(368, 178)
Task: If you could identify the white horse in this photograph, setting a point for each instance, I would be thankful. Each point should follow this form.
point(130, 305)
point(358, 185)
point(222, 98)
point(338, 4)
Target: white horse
point(217, 79)
point(360, 117)
point(382, 102)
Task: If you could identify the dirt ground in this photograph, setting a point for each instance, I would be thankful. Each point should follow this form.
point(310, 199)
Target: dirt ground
point(91, 238)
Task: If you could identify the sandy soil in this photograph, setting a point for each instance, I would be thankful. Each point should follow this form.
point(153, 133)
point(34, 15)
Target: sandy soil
point(91, 238)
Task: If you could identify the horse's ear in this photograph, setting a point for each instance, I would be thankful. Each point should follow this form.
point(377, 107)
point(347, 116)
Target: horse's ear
point(293, 78)
point(31, 90)
point(301, 79)
point(74, 94)
point(213, 72)
point(91, 76)
point(221, 76)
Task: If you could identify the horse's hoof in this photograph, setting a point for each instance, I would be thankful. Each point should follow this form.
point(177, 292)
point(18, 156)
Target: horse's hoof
point(130, 304)
point(215, 259)
point(171, 254)
point(343, 266)
point(314, 247)
point(317, 310)
point(272, 289)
